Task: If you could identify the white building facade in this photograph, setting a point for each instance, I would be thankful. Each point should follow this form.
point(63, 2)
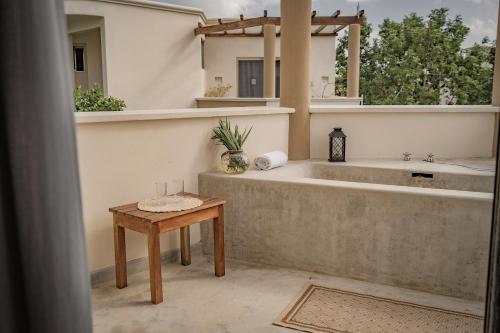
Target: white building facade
point(147, 54)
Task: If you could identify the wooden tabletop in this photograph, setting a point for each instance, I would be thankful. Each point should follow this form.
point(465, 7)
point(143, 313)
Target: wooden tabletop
point(132, 211)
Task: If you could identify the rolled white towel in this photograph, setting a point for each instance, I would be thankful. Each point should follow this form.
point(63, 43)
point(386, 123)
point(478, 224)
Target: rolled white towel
point(271, 160)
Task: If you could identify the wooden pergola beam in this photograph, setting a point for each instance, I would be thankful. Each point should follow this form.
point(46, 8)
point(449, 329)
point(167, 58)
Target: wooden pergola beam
point(339, 20)
point(257, 34)
point(317, 31)
point(246, 23)
point(259, 21)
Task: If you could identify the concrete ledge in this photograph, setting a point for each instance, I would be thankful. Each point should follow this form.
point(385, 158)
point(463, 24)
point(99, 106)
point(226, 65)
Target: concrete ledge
point(139, 265)
point(137, 115)
point(396, 189)
point(299, 172)
point(404, 109)
point(352, 101)
point(238, 99)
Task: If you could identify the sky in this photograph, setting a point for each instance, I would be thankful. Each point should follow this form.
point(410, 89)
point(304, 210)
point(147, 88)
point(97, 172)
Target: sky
point(479, 15)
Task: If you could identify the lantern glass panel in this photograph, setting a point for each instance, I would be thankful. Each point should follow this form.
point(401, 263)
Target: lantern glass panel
point(337, 148)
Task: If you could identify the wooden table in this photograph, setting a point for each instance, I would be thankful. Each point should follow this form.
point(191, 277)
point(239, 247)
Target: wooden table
point(153, 224)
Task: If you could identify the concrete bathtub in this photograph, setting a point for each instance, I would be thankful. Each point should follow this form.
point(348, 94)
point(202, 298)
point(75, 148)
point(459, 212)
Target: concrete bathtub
point(418, 237)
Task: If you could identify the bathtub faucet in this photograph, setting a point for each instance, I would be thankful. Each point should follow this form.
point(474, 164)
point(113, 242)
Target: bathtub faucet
point(429, 158)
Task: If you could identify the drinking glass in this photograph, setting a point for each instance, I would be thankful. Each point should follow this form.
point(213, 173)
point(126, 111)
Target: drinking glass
point(160, 189)
point(175, 187)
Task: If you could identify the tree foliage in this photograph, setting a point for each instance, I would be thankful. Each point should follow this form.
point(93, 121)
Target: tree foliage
point(420, 61)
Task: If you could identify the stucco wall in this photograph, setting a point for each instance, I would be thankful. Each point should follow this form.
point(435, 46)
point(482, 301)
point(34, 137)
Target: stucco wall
point(120, 162)
point(222, 54)
point(153, 59)
point(388, 131)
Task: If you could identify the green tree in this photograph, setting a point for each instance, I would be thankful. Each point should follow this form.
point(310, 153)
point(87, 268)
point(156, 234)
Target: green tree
point(420, 61)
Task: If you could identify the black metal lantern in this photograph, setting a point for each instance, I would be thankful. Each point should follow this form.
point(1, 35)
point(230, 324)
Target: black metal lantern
point(337, 145)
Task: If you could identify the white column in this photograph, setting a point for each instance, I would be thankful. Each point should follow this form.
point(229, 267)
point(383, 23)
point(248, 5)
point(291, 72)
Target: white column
point(353, 59)
point(295, 73)
point(269, 60)
point(334, 65)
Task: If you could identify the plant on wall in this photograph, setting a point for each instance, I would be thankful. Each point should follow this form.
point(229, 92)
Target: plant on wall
point(93, 100)
point(219, 90)
point(234, 160)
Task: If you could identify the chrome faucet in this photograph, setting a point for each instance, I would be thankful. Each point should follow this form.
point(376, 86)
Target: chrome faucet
point(429, 158)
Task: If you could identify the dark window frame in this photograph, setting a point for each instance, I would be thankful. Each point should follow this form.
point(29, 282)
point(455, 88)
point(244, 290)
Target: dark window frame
point(79, 63)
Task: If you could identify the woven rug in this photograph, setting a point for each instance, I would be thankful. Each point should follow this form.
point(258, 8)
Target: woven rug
point(321, 309)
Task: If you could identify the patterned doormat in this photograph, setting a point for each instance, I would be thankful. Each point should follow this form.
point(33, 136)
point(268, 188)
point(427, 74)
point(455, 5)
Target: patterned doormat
point(320, 309)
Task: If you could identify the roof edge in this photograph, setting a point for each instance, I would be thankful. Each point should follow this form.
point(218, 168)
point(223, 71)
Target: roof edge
point(160, 6)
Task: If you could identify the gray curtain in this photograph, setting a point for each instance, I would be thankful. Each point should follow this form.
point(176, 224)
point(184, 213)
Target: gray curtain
point(44, 281)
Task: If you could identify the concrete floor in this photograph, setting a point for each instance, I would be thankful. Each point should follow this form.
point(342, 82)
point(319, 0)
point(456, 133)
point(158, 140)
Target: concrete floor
point(247, 299)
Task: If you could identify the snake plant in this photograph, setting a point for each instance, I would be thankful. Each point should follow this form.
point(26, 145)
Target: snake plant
point(231, 138)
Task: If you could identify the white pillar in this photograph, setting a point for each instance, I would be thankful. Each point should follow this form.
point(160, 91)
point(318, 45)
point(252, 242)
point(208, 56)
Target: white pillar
point(334, 65)
point(353, 59)
point(295, 73)
point(269, 60)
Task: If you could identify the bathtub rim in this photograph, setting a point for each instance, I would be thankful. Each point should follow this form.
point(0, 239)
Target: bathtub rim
point(259, 176)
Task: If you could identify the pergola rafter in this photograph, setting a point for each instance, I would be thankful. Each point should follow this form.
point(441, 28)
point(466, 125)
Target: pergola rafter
point(337, 29)
point(221, 29)
point(318, 30)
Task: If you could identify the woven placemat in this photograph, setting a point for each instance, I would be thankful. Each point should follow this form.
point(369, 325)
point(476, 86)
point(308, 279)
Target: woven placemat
point(170, 203)
point(320, 309)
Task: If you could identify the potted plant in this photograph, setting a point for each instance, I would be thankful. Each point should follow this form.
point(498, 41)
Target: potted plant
point(234, 160)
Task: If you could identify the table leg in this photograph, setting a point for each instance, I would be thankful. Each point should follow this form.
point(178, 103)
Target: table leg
point(120, 255)
point(155, 265)
point(219, 243)
point(185, 246)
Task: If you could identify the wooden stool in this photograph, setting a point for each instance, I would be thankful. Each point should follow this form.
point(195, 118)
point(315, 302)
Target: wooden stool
point(153, 224)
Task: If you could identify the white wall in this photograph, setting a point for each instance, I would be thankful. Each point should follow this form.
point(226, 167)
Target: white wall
point(153, 59)
point(388, 131)
point(121, 160)
point(222, 54)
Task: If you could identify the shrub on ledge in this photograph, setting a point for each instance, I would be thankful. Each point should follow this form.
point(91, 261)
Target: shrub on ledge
point(93, 100)
point(219, 90)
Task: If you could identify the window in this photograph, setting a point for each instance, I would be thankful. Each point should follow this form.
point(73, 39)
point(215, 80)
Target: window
point(202, 54)
point(251, 78)
point(79, 58)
